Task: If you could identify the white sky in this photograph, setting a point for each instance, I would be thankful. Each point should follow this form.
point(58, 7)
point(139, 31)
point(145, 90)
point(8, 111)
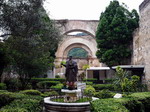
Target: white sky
point(82, 9)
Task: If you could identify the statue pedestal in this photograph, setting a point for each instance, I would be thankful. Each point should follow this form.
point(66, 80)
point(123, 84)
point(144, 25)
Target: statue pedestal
point(71, 95)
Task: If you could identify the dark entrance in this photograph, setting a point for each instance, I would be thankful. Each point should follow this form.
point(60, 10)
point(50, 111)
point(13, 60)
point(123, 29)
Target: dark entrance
point(96, 74)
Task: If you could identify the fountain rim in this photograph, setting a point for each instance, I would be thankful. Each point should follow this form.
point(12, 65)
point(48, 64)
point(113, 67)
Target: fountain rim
point(48, 101)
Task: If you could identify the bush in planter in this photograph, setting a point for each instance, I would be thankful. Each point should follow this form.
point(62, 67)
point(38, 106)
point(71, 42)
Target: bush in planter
point(47, 84)
point(31, 92)
point(3, 86)
point(104, 94)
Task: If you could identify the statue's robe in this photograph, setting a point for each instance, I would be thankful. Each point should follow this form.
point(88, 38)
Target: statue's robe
point(71, 71)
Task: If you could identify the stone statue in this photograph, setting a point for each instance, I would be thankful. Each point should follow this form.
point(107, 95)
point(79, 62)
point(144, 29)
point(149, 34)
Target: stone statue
point(71, 72)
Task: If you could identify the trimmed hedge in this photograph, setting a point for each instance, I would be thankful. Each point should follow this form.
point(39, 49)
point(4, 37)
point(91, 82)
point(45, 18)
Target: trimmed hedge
point(35, 81)
point(136, 102)
point(17, 102)
point(103, 86)
point(105, 93)
point(3, 86)
point(47, 79)
point(31, 92)
point(47, 84)
point(29, 105)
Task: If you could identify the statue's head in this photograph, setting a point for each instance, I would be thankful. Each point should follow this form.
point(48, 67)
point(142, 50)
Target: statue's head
point(70, 57)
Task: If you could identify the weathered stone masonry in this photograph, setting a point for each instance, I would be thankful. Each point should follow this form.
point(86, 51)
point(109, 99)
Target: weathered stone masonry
point(141, 40)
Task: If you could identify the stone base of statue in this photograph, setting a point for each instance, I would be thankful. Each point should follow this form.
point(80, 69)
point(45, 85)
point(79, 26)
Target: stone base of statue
point(71, 95)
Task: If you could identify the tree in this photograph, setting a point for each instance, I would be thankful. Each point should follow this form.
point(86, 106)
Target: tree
point(33, 37)
point(114, 34)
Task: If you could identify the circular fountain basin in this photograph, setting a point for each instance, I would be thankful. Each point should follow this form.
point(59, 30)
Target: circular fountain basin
point(51, 106)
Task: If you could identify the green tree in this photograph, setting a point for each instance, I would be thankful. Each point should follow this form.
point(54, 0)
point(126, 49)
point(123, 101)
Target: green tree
point(33, 37)
point(114, 34)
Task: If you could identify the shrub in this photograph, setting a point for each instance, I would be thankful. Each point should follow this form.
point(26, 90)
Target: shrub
point(89, 90)
point(13, 84)
point(104, 94)
point(51, 93)
point(14, 110)
point(103, 86)
point(31, 92)
point(17, 102)
point(109, 81)
point(57, 76)
point(89, 83)
point(47, 84)
point(3, 86)
point(136, 102)
point(90, 79)
point(6, 98)
point(31, 105)
point(58, 86)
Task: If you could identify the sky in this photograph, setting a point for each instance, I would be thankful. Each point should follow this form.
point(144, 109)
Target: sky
point(82, 9)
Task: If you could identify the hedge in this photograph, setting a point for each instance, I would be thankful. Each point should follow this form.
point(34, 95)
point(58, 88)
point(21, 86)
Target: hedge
point(47, 84)
point(136, 102)
point(3, 86)
point(103, 86)
point(17, 102)
point(31, 92)
point(47, 79)
point(34, 81)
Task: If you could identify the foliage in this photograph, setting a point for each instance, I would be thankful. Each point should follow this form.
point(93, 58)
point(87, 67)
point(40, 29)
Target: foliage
point(4, 57)
point(3, 86)
point(103, 86)
point(89, 83)
point(89, 90)
point(34, 81)
point(136, 102)
point(78, 53)
point(105, 93)
point(17, 102)
point(86, 66)
point(32, 45)
point(47, 84)
point(30, 105)
point(57, 76)
point(31, 92)
point(58, 86)
point(14, 110)
point(114, 34)
point(109, 81)
point(51, 93)
point(13, 84)
point(125, 82)
point(90, 79)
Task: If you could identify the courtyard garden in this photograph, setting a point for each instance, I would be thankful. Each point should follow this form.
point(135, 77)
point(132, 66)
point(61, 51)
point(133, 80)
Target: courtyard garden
point(27, 51)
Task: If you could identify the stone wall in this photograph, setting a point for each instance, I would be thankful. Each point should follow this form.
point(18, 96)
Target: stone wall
point(141, 41)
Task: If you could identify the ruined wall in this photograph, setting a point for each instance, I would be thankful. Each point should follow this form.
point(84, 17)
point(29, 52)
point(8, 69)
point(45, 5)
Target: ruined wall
point(141, 41)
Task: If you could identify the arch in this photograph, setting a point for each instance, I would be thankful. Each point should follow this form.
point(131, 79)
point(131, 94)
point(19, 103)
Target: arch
point(88, 26)
point(77, 45)
point(76, 41)
point(80, 30)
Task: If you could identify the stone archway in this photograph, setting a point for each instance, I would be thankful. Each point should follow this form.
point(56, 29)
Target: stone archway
point(87, 42)
point(77, 45)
